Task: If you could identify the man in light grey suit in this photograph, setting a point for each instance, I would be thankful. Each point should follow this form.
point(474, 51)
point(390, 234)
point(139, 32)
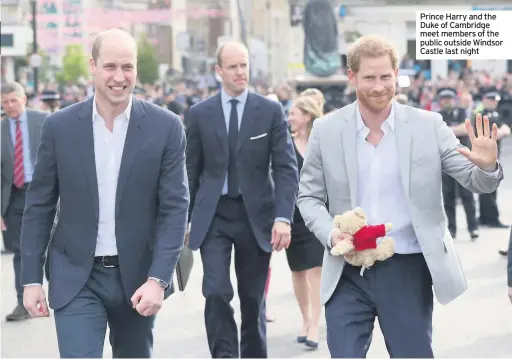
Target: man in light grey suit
point(21, 129)
point(388, 158)
point(118, 165)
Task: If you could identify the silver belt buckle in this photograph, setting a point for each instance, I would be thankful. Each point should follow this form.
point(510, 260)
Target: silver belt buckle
point(103, 263)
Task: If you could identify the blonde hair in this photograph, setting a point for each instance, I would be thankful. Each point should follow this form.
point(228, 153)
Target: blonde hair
point(371, 46)
point(309, 106)
point(313, 92)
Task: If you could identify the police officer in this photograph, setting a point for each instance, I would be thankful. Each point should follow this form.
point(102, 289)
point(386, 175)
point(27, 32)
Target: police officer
point(50, 101)
point(489, 214)
point(455, 117)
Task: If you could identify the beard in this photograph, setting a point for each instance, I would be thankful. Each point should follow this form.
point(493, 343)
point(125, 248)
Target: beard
point(375, 102)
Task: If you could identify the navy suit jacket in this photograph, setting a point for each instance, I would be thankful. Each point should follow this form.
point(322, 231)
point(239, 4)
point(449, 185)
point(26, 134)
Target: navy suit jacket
point(152, 201)
point(35, 120)
point(266, 165)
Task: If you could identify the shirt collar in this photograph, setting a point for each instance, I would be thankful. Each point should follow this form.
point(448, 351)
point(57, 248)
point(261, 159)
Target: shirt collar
point(125, 114)
point(389, 124)
point(242, 98)
point(22, 118)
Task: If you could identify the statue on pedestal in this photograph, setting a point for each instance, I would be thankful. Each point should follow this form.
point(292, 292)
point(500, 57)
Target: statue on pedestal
point(321, 56)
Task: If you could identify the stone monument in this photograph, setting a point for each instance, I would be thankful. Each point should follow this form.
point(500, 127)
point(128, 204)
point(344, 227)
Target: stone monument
point(321, 56)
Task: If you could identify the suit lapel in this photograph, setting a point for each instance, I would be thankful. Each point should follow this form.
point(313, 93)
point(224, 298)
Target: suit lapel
point(349, 137)
point(34, 134)
point(250, 114)
point(219, 123)
point(403, 142)
point(131, 147)
point(86, 147)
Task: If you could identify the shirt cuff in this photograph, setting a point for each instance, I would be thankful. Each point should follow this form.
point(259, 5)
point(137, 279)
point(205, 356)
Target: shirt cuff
point(160, 282)
point(32, 284)
point(282, 219)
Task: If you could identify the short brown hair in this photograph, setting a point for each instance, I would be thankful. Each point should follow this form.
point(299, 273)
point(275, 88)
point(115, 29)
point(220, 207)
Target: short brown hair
point(10, 87)
point(98, 40)
point(371, 46)
point(218, 53)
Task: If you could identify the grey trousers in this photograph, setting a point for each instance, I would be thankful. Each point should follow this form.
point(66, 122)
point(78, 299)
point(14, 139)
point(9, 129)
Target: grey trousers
point(82, 324)
point(398, 291)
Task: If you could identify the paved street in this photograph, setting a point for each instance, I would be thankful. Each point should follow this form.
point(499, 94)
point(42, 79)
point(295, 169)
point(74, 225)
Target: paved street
point(476, 325)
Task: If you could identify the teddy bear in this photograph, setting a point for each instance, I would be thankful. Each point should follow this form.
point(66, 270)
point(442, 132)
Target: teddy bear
point(363, 249)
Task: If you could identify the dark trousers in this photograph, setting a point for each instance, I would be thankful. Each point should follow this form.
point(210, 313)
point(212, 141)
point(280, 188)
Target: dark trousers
point(230, 227)
point(82, 324)
point(452, 189)
point(13, 220)
point(489, 213)
point(399, 292)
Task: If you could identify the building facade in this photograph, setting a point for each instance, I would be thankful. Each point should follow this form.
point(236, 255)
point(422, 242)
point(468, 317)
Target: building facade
point(16, 39)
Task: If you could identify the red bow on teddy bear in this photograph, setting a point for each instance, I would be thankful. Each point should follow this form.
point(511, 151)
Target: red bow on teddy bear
point(366, 237)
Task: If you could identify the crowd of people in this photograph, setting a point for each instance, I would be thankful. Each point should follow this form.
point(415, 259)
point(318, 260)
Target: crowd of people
point(234, 170)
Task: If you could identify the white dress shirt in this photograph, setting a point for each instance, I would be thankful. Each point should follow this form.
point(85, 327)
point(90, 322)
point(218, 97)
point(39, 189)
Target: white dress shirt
point(108, 151)
point(380, 192)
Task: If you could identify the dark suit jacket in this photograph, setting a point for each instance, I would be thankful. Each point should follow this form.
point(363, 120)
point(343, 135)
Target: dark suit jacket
point(34, 120)
point(151, 202)
point(263, 143)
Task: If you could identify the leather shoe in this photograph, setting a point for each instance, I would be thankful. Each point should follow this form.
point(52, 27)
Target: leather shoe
point(311, 344)
point(18, 314)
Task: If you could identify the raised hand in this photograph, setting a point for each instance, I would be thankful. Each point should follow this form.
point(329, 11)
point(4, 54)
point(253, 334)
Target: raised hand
point(484, 148)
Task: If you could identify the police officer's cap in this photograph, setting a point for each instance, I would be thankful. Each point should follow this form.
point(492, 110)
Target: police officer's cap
point(447, 92)
point(492, 94)
point(49, 95)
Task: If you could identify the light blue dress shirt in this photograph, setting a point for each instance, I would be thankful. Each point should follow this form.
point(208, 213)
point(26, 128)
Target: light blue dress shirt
point(27, 159)
point(240, 107)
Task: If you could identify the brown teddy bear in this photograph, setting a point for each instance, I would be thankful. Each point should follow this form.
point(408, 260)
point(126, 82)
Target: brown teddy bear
point(363, 249)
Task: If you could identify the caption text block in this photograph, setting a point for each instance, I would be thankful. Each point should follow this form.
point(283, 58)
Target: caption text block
point(464, 35)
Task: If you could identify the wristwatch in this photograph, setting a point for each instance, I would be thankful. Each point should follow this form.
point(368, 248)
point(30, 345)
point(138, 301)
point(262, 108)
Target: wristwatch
point(160, 282)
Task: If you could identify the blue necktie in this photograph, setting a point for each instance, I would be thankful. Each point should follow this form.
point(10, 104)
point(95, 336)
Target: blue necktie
point(233, 188)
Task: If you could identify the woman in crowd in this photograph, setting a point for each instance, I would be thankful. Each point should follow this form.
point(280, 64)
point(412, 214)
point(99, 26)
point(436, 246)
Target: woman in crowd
point(305, 253)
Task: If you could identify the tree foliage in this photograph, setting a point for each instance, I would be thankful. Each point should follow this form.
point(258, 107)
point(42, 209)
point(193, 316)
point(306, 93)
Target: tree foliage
point(147, 62)
point(74, 64)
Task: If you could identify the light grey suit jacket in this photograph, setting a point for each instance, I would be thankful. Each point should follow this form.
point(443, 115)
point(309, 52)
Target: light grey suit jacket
point(426, 148)
point(35, 120)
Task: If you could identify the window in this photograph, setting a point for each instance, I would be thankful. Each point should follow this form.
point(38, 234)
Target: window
point(7, 40)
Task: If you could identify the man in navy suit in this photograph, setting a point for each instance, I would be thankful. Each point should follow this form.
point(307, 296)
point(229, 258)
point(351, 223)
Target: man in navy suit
point(243, 183)
point(117, 164)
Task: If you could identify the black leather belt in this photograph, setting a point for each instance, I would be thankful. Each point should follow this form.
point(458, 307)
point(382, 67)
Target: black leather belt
point(226, 197)
point(107, 261)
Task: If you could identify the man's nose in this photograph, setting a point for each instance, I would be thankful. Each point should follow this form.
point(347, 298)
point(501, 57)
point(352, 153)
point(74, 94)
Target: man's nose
point(378, 86)
point(119, 75)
